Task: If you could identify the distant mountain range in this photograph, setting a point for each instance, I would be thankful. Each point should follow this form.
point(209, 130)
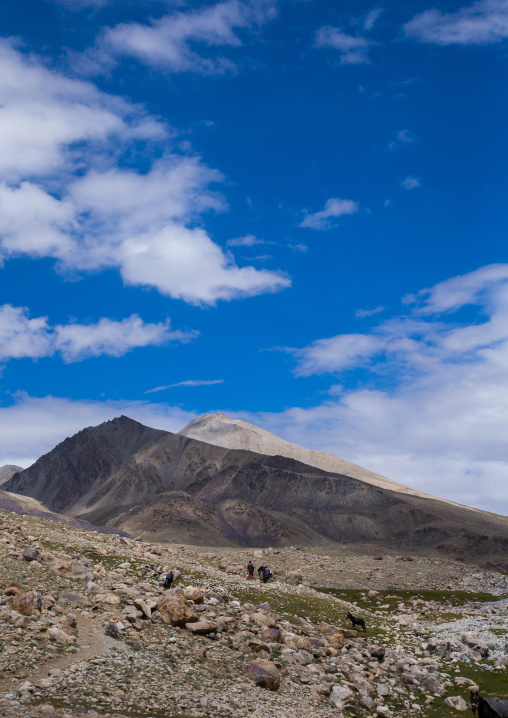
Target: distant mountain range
point(219, 491)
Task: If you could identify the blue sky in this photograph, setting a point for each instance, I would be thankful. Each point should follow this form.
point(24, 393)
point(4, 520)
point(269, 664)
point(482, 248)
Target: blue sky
point(293, 212)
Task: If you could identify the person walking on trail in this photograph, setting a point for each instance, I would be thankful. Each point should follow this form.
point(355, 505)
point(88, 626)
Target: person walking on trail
point(260, 572)
point(168, 580)
point(267, 574)
point(250, 569)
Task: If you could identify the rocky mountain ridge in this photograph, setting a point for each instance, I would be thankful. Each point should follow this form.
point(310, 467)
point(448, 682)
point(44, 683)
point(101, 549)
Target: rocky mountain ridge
point(219, 430)
point(173, 487)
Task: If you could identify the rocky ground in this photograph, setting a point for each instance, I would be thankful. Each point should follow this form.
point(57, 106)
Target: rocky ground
point(85, 630)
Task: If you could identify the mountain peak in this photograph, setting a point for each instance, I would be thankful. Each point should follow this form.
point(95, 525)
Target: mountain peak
point(221, 430)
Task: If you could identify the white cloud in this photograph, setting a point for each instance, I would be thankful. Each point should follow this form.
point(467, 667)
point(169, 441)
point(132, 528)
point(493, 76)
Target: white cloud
point(32, 426)
point(334, 207)
point(434, 413)
point(337, 353)
point(437, 420)
point(410, 182)
point(371, 18)
point(63, 194)
point(22, 337)
point(478, 287)
point(481, 23)
point(187, 382)
point(248, 241)
point(181, 41)
point(402, 137)
point(354, 50)
point(363, 313)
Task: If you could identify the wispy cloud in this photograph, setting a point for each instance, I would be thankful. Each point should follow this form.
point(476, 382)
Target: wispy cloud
point(181, 41)
point(248, 241)
point(481, 23)
point(363, 313)
point(401, 138)
point(371, 18)
point(188, 382)
point(353, 49)
point(334, 208)
point(25, 337)
point(410, 182)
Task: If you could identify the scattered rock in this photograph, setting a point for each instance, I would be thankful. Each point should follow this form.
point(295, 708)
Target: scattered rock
point(263, 673)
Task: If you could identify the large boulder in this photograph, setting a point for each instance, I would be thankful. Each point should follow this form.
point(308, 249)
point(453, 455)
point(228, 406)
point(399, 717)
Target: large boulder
point(29, 604)
point(175, 611)
point(194, 594)
point(73, 569)
point(263, 673)
point(434, 685)
point(31, 554)
point(456, 702)
point(341, 696)
point(336, 640)
point(202, 628)
point(72, 598)
point(61, 637)
point(264, 619)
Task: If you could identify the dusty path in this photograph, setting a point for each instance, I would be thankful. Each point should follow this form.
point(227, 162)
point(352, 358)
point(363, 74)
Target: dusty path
point(92, 643)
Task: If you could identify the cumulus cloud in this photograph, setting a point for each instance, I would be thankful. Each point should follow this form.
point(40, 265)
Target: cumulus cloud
point(481, 23)
point(334, 208)
point(25, 337)
point(434, 411)
point(187, 382)
point(353, 49)
point(64, 195)
point(182, 41)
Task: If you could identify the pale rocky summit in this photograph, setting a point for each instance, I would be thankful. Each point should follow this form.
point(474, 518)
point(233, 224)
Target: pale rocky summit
point(220, 430)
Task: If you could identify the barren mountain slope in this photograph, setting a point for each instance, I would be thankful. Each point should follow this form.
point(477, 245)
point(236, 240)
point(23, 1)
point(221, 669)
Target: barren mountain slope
point(82, 462)
point(220, 430)
point(182, 489)
point(7, 471)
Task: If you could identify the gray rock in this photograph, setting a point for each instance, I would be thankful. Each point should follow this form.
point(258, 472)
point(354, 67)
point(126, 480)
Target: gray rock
point(434, 685)
point(456, 702)
point(31, 554)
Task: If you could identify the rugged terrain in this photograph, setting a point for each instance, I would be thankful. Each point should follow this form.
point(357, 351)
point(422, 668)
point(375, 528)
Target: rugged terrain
point(86, 630)
point(170, 487)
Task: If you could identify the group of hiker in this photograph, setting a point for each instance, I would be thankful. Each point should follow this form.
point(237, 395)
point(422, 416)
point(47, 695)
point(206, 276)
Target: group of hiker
point(264, 573)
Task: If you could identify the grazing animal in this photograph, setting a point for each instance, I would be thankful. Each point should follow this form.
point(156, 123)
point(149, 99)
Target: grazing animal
point(356, 621)
point(488, 707)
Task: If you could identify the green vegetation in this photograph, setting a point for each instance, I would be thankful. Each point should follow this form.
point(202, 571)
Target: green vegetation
point(393, 597)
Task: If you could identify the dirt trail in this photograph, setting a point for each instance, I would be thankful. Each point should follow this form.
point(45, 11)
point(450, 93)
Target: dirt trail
point(92, 644)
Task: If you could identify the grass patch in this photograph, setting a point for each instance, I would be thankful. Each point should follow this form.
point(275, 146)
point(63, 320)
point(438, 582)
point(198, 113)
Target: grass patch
point(393, 597)
point(316, 608)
